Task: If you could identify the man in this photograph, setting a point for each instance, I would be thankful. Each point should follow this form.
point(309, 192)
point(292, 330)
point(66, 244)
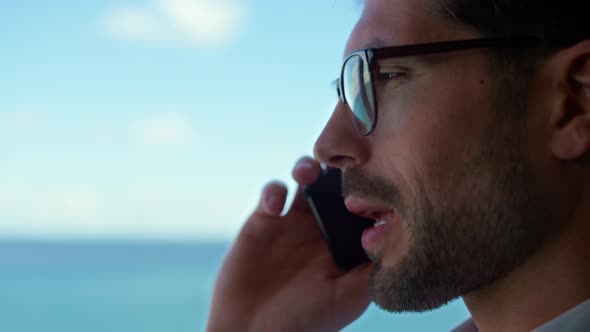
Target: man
point(471, 152)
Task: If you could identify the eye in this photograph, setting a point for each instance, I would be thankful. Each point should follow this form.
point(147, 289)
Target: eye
point(390, 76)
point(387, 74)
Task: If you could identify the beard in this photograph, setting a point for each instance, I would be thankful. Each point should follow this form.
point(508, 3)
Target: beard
point(482, 216)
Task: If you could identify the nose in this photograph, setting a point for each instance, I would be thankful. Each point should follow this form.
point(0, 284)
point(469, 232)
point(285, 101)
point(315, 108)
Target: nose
point(340, 145)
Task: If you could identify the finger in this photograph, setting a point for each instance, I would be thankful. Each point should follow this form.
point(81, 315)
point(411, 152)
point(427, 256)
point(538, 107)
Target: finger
point(306, 172)
point(273, 199)
point(260, 225)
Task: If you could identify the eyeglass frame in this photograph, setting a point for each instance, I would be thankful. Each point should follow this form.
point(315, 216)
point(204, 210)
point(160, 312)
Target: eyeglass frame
point(371, 56)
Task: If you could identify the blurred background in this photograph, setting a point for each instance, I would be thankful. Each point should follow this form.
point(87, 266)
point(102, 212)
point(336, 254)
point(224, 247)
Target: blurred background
point(135, 137)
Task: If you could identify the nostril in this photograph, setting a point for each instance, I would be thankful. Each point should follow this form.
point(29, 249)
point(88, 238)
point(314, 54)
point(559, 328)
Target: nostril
point(341, 161)
point(341, 150)
point(340, 144)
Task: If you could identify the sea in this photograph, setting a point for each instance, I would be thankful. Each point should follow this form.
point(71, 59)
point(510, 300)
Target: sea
point(118, 286)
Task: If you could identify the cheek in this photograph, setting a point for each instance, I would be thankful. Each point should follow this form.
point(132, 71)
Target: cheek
point(428, 132)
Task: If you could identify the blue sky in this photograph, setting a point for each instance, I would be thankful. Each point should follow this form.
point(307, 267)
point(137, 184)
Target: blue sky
point(158, 118)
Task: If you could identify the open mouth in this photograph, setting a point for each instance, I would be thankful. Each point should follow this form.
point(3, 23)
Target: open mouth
point(379, 223)
point(384, 217)
point(381, 218)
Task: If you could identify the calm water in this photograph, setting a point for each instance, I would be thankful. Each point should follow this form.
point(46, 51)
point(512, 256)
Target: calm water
point(123, 287)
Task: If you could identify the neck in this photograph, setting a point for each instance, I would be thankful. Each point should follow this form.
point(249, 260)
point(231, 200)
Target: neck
point(550, 283)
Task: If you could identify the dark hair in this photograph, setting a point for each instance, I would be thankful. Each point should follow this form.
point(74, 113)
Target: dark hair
point(548, 20)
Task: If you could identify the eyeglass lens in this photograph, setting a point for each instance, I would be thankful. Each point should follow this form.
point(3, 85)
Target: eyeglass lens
point(358, 93)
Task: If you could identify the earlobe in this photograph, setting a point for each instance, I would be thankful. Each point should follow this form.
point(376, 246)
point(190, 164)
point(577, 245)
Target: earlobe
point(572, 140)
point(582, 73)
point(571, 128)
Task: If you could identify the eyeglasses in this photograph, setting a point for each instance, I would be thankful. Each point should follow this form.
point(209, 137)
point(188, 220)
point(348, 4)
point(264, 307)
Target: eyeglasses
point(356, 85)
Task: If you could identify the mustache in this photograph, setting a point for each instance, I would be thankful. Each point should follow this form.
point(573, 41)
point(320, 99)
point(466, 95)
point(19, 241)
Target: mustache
point(356, 182)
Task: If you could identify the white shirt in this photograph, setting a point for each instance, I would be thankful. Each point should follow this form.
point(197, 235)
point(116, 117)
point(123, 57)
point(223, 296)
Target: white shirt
point(576, 319)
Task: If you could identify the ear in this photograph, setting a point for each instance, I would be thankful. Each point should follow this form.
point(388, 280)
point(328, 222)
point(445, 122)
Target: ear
point(570, 123)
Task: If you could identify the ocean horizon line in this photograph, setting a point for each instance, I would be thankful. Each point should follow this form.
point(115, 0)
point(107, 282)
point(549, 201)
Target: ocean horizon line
point(106, 240)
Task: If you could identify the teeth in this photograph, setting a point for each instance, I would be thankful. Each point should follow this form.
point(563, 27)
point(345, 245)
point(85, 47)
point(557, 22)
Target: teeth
point(379, 223)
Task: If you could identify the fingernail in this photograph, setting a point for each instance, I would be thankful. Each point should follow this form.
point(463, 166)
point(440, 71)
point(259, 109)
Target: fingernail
point(304, 165)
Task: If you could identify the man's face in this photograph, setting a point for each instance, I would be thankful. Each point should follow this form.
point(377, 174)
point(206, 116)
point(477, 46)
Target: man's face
point(446, 168)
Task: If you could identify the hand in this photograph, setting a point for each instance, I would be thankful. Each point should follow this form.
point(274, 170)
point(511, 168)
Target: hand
point(279, 275)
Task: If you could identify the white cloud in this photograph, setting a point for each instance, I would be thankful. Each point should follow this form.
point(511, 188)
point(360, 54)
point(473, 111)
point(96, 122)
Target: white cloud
point(130, 23)
point(40, 207)
point(168, 129)
point(19, 118)
point(79, 204)
point(152, 210)
point(199, 23)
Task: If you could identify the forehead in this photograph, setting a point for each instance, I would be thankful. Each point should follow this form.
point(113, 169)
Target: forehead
point(402, 22)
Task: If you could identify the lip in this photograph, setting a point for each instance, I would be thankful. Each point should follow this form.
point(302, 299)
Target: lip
point(373, 237)
point(365, 208)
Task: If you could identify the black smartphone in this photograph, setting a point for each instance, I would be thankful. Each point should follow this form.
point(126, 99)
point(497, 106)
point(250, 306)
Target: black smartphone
point(342, 229)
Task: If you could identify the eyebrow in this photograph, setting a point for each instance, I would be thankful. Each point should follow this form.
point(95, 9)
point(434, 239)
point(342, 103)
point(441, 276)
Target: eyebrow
point(377, 43)
point(373, 43)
